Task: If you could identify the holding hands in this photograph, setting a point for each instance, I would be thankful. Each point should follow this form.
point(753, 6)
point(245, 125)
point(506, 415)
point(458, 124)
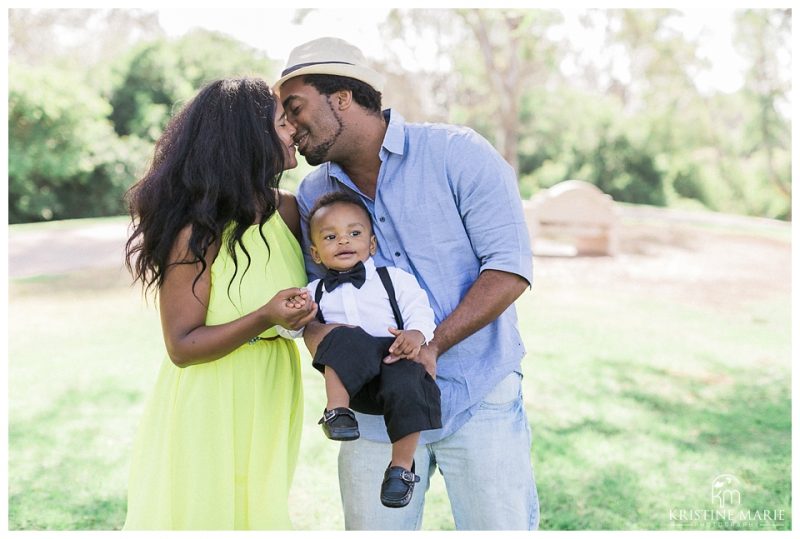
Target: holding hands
point(291, 308)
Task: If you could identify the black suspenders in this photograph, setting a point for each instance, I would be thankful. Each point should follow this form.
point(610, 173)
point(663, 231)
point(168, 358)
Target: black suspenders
point(383, 273)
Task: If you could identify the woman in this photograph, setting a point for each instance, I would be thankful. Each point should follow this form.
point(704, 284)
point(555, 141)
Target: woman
point(216, 240)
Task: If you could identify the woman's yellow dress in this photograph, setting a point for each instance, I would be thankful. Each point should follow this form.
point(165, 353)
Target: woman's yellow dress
point(217, 445)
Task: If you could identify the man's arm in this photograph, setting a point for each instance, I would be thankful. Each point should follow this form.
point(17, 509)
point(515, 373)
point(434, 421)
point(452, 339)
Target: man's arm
point(487, 196)
point(491, 294)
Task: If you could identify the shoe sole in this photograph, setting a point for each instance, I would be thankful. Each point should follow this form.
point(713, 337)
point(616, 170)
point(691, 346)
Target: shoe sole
point(395, 503)
point(345, 436)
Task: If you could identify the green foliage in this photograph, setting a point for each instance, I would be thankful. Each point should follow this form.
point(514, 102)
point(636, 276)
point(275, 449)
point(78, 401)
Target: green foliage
point(76, 147)
point(571, 135)
point(684, 180)
point(649, 137)
point(65, 160)
point(159, 76)
point(623, 169)
point(142, 102)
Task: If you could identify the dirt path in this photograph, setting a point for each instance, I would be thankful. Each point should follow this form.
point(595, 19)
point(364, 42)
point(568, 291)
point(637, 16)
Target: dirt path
point(713, 258)
point(50, 250)
point(709, 259)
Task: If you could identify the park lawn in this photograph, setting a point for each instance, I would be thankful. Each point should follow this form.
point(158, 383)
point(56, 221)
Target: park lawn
point(636, 402)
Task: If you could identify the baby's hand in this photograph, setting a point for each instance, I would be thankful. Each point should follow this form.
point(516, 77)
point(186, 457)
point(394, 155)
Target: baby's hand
point(291, 308)
point(298, 301)
point(407, 343)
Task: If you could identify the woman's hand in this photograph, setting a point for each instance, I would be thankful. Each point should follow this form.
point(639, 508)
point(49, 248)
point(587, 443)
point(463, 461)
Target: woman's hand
point(184, 306)
point(291, 308)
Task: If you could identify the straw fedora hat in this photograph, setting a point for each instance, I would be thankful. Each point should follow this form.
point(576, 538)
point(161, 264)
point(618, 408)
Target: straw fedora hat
point(329, 56)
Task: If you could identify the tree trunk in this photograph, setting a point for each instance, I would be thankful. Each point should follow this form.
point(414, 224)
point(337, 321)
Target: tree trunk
point(506, 83)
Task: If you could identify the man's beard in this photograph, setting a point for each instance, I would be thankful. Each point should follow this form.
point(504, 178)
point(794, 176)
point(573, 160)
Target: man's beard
point(318, 154)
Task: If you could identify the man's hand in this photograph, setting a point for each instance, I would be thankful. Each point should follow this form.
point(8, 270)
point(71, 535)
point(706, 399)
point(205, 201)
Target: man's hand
point(491, 294)
point(407, 342)
point(427, 357)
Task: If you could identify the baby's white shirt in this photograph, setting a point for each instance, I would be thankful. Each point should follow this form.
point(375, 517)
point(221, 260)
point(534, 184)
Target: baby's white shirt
point(368, 307)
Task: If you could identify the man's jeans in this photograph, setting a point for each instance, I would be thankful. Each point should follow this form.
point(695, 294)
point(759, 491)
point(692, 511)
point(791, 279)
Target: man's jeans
point(486, 466)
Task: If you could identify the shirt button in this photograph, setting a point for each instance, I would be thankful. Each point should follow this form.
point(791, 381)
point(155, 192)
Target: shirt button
point(397, 253)
point(382, 219)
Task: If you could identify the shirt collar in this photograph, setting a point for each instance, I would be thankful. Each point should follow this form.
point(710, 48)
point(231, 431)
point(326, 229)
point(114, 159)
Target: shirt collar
point(395, 139)
point(394, 142)
point(369, 265)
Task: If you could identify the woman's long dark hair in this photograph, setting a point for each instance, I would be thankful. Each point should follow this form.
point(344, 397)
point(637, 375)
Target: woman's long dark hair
point(218, 163)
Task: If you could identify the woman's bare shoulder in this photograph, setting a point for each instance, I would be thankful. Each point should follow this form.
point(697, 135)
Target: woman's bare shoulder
point(287, 206)
point(181, 253)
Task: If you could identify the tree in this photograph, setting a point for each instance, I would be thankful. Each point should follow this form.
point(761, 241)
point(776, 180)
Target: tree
point(157, 76)
point(650, 66)
point(64, 159)
point(764, 38)
point(516, 53)
point(76, 38)
point(652, 63)
point(497, 55)
point(419, 78)
point(79, 136)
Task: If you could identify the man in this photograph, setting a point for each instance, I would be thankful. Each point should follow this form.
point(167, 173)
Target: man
point(446, 208)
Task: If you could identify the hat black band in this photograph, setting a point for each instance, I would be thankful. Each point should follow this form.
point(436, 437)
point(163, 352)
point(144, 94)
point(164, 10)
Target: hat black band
point(300, 66)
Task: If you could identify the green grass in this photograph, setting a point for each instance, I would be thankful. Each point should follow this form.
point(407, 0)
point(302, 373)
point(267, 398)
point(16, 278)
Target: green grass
point(637, 404)
point(636, 401)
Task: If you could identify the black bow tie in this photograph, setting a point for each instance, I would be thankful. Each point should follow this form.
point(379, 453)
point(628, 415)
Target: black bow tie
point(357, 276)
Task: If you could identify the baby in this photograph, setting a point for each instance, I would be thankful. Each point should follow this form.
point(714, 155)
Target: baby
point(386, 312)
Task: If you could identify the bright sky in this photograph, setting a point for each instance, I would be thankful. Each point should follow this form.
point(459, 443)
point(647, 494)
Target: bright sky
point(273, 31)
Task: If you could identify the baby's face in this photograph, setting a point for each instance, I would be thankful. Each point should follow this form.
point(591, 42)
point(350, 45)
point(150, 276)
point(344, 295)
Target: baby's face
point(341, 236)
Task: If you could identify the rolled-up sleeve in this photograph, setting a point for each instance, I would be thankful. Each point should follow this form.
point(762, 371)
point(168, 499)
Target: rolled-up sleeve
point(488, 199)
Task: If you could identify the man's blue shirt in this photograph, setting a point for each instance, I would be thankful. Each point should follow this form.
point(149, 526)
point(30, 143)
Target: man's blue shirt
point(446, 208)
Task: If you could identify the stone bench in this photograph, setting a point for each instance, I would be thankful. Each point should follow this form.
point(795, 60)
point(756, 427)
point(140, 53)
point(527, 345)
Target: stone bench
point(572, 218)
